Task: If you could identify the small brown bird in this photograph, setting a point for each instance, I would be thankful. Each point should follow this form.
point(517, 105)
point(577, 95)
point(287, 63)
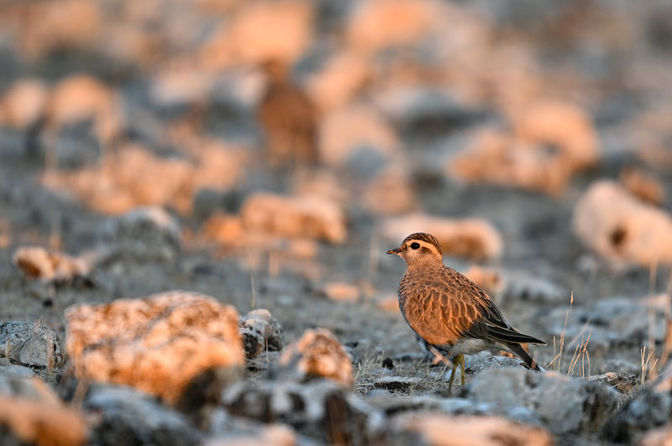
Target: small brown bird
point(448, 312)
point(289, 118)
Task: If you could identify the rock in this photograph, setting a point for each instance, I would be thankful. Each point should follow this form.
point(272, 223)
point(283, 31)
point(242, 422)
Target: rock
point(355, 128)
point(263, 435)
point(342, 292)
point(70, 146)
point(488, 279)
point(260, 331)
point(565, 405)
point(394, 405)
point(317, 354)
point(620, 228)
point(51, 266)
point(651, 408)
point(482, 361)
point(521, 285)
point(611, 322)
point(258, 32)
point(623, 382)
point(159, 344)
point(122, 415)
point(389, 193)
point(321, 409)
point(442, 430)
point(142, 234)
point(658, 437)
point(31, 413)
point(342, 76)
point(643, 186)
point(30, 344)
point(396, 383)
point(311, 217)
point(472, 238)
point(23, 103)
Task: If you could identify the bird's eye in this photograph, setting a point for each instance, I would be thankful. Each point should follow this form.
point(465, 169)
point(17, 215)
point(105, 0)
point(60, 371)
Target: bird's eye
point(415, 245)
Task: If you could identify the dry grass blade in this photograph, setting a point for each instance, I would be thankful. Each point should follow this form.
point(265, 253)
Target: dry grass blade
point(558, 356)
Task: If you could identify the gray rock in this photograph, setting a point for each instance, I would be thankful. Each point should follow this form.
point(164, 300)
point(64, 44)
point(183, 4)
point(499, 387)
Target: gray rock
point(392, 405)
point(485, 360)
point(20, 382)
point(564, 404)
point(260, 332)
point(650, 408)
point(147, 233)
point(30, 344)
point(126, 416)
point(524, 286)
point(320, 409)
point(396, 383)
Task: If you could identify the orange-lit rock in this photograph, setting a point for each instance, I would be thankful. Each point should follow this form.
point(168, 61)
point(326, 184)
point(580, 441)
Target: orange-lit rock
point(643, 186)
point(488, 279)
point(472, 238)
point(379, 24)
point(354, 127)
point(342, 292)
point(133, 176)
point(619, 227)
point(564, 127)
point(498, 158)
point(50, 266)
point(318, 354)
point(157, 344)
point(224, 229)
point(311, 217)
point(34, 422)
point(23, 103)
point(81, 97)
point(433, 429)
point(268, 434)
point(389, 193)
point(339, 80)
point(261, 30)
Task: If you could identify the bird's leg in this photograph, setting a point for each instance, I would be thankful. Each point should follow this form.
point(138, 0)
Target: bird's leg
point(459, 360)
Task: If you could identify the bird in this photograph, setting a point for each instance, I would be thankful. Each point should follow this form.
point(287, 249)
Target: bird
point(450, 314)
point(289, 118)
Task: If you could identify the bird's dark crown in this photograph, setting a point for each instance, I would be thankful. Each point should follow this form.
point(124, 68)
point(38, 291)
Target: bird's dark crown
point(424, 237)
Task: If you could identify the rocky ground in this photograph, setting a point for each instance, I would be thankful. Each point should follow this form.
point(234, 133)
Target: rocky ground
point(167, 278)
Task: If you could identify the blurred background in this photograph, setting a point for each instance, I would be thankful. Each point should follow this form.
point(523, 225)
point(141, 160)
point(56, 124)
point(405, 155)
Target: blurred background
point(288, 144)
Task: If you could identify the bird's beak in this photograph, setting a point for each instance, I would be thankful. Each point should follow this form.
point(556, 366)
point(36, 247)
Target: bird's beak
point(394, 251)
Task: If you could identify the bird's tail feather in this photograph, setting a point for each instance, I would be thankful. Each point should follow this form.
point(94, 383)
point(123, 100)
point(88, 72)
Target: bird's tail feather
point(529, 361)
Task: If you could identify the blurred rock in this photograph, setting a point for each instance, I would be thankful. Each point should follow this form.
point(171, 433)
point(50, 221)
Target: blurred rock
point(649, 409)
point(317, 354)
point(643, 186)
point(396, 383)
point(148, 233)
point(657, 437)
point(441, 430)
point(30, 344)
point(619, 365)
point(260, 331)
point(521, 285)
point(475, 239)
point(611, 322)
point(31, 412)
point(342, 292)
point(158, 344)
point(71, 146)
point(355, 128)
point(258, 32)
point(620, 228)
point(272, 434)
point(51, 266)
point(321, 409)
point(311, 217)
point(564, 404)
point(376, 25)
point(22, 104)
point(80, 98)
point(482, 361)
point(122, 415)
point(342, 76)
point(225, 229)
point(564, 127)
point(488, 279)
point(389, 193)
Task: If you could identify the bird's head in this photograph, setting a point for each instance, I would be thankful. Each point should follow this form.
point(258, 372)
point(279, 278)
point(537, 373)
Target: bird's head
point(419, 249)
